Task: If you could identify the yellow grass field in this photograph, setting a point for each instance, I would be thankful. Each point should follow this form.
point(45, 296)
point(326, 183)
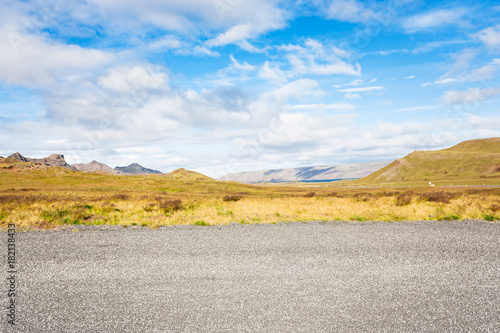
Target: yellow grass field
point(55, 196)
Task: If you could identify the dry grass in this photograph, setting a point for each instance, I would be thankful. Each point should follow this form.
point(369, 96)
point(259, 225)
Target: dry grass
point(50, 209)
point(50, 197)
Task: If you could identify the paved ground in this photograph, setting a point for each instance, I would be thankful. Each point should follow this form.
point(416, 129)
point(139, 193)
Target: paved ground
point(296, 277)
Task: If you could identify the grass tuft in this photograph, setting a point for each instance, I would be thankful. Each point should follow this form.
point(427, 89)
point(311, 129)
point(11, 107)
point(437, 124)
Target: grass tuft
point(202, 223)
point(490, 217)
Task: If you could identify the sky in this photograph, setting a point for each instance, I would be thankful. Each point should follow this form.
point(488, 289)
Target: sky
point(220, 86)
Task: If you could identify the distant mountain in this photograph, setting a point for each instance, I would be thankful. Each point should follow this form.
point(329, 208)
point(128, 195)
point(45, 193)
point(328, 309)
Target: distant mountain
point(473, 159)
point(52, 160)
point(341, 171)
point(136, 169)
point(95, 166)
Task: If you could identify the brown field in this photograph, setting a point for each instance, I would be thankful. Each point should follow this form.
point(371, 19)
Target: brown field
point(55, 196)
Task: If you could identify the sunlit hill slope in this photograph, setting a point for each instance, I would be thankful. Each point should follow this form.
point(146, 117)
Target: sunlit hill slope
point(469, 160)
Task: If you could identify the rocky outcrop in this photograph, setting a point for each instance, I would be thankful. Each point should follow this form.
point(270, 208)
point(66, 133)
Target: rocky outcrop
point(136, 169)
point(18, 157)
point(52, 160)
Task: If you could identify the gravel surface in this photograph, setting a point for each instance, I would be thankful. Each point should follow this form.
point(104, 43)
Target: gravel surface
point(422, 276)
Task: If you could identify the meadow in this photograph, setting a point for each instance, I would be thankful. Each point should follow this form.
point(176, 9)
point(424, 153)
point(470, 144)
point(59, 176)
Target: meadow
point(53, 196)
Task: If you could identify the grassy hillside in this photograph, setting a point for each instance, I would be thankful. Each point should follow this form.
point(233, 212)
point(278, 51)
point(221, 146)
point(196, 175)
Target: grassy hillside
point(474, 161)
point(40, 196)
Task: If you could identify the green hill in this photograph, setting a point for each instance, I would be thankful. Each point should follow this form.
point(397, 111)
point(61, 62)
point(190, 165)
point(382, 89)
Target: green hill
point(473, 160)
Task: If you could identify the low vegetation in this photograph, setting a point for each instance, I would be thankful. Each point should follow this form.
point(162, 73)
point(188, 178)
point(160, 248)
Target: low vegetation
point(54, 196)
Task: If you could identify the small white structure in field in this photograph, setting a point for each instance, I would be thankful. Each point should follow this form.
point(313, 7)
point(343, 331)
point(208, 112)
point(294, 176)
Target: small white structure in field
point(430, 184)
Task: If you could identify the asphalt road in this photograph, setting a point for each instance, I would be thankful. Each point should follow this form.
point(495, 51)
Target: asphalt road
point(295, 277)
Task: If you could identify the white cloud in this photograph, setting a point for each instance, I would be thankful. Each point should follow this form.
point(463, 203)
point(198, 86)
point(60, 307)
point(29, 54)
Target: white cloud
point(349, 11)
point(471, 95)
point(37, 62)
point(126, 80)
point(461, 62)
point(300, 131)
point(362, 89)
point(427, 47)
point(187, 16)
point(410, 77)
point(418, 108)
point(244, 66)
point(355, 83)
point(273, 74)
point(297, 89)
point(485, 72)
point(489, 36)
point(337, 107)
point(447, 80)
point(433, 19)
point(314, 58)
point(352, 96)
point(166, 43)
point(238, 33)
point(427, 84)
point(198, 51)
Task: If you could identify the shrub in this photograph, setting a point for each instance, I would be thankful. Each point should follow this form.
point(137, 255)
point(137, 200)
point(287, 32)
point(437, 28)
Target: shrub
point(440, 196)
point(202, 223)
point(170, 205)
point(232, 197)
point(363, 196)
point(404, 199)
point(490, 217)
point(309, 195)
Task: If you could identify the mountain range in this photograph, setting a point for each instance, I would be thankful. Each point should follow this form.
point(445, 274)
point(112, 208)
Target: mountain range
point(477, 160)
point(94, 166)
point(342, 171)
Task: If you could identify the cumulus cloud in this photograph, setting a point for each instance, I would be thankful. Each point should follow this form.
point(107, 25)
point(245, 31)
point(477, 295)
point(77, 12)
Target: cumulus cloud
point(34, 61)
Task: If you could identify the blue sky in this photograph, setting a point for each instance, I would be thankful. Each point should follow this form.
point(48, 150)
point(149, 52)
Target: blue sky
point(222, 86)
